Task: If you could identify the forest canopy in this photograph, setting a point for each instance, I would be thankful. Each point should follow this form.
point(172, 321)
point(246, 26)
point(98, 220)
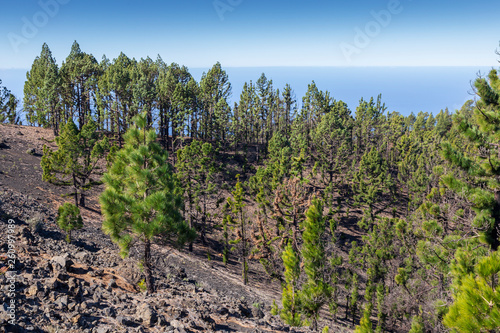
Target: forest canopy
point(388, 222)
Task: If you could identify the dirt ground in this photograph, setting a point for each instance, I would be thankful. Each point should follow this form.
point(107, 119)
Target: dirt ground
point(21, 149)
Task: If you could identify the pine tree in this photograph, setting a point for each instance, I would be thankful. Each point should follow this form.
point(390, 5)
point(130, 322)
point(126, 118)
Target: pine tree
point(142, 199)
point(8, 106)
point(144, 91)
point(332, 140)
point(68, 219)
point(75, 162)
point(476, 306)
point(315, 291)
point(215, 89)
point(417, 325)
point(196, 170)
point(367, 125)
point(79, 73)
point(240, 222)
point(482, 162)
point(290, 297)
point(41, 101)
point(116, 92)
point(372, 183)
point(177, 94)
point(365, 324)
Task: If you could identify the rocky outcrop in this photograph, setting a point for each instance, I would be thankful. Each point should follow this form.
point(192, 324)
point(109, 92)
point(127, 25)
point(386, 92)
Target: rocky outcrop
point(87, 287)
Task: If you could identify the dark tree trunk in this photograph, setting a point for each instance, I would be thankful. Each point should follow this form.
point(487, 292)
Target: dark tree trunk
point(82, 199)
point(496, 228)
point(147, 268)
point(75, 194)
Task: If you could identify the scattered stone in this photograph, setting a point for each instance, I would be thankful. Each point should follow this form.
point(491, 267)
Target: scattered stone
point(60, 263)
point(257, 312)
point(146, 314)
point(31, 151)
point(76, 318)
point(109, 312)
point(81, 256)
point(112, 284)
point(124, 321)
point(72, 283)
point(103, 329)
point(62, 302)
point(244, 311)
point(34, 289)
point(53, 284)
point(177, 324)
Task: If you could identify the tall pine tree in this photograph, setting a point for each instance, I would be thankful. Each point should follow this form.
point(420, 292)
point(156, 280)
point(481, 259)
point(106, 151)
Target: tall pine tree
point(142, 199)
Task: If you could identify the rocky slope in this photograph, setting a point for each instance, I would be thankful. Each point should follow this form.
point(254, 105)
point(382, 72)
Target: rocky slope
point(86, 286)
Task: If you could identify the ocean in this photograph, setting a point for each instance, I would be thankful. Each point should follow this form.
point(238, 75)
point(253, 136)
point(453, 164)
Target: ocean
point(403, 89)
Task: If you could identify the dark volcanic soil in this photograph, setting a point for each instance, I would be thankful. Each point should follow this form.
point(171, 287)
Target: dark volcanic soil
point(86, 287)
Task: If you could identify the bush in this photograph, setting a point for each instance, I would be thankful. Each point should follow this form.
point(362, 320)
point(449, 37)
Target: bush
point(69, 219)
point(35, 223)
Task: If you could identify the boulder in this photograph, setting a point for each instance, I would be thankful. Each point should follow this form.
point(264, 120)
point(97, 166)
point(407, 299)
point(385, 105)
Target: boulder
point(81, 256)
point(60, 263)
point(146, 314)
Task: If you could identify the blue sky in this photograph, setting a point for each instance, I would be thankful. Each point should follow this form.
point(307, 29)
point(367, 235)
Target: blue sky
point(197, 33)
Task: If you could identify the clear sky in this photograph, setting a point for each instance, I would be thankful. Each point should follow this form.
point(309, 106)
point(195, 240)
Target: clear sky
point(197, 33)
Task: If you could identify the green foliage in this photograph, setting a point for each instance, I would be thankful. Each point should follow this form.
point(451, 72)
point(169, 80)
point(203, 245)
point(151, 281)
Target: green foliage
point(68, 219)
point(236, 207)
point(75, 162)
point(196, 171)
point(429, 186)
point(8, 106)
point(333, 141)
point(215, 88)
point(142, 199)
point(476, 306)
point(371, 183)
point(79, 76)
point(42, 89)
point(417, 325)
point(142, 285)
point(315, 291)
point(290, 297)
point(365, 324)
point(481, 161)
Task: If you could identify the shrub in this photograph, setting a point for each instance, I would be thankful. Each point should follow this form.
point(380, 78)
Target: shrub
point(69, 219)
point(35, 223)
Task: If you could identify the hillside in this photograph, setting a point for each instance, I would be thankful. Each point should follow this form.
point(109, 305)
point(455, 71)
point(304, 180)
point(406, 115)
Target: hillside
point(327, 216)
point(86, 287)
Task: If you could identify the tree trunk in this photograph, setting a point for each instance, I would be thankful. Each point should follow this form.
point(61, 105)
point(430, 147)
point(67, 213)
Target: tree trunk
point(147, 268)
point(76, 191)
point(82, 199)
point(496, 228)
